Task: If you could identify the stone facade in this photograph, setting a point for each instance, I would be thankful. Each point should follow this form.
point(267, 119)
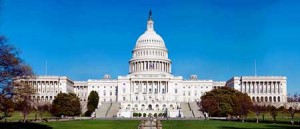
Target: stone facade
point(150, 86)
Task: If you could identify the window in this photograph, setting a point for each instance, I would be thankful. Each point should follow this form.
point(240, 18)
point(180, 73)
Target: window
point(175, 91)
point(136, 98)
point(123, 98)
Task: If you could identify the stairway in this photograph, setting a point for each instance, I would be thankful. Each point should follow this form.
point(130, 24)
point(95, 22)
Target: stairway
point(113, 110)
point(102, 111)
point(186, 110)
point(196, 110)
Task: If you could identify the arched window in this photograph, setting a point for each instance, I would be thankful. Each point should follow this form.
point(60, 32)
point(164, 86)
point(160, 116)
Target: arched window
point(171, 106)
point(143, 107)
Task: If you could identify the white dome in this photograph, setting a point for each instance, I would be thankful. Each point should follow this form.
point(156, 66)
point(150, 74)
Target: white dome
point(150, 55)
point(150, 39)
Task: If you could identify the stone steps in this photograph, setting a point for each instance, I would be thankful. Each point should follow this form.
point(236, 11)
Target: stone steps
point(114, 109)
point(186, 110)
point(196, 110)
point(102, 111)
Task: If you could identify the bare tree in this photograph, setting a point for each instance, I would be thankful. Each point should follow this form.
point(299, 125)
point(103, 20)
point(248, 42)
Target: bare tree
point(293, 105)
point(43, 108)
point(12, 71)
point(258, 109)
point(23, 98)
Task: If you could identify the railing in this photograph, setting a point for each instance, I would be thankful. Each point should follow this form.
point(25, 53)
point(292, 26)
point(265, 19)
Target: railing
point(108, 110)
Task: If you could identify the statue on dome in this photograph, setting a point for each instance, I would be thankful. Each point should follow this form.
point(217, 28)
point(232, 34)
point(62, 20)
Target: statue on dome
point(150, 15)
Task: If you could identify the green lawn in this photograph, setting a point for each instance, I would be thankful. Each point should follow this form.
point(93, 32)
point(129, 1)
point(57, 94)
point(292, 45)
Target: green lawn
point(95, 124)
point(18, 116)
point(214, 124)
point(282, 117)
point(132, 124)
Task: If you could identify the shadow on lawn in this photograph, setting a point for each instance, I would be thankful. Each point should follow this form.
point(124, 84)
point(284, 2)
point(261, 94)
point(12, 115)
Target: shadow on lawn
point(268, 126)
point(18, 125)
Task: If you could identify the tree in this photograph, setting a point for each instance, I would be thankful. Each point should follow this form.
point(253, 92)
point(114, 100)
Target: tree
point(242, 105)
point(258, 109)
point(42, 107)
point(293, 103)
point(92, 104)
point(7, 108)
point(24, 106)
point(226, 101)
point(273, 112)
point(66, 104)
point(12, 71)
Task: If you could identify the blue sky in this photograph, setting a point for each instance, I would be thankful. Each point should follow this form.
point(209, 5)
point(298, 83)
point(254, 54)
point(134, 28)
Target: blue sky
point(215, 39)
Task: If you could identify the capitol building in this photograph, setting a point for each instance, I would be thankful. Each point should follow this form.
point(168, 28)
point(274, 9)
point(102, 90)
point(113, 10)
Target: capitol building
point(150, 86)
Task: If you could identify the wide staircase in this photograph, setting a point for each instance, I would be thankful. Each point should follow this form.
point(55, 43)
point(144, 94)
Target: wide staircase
point(186, 110)
point(196, 110)
point(102, 111)
point(113, 110)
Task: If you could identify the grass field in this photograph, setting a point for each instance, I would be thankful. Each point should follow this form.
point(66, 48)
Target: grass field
point(132, 124)
point(95, 124)
point(18, 116)
point(214, 124)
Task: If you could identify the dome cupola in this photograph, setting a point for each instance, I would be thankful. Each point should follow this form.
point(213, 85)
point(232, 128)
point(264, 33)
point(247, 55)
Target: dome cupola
point(150, 38)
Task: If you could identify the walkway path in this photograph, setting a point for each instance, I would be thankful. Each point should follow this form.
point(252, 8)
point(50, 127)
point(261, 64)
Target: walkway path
point(150, 124)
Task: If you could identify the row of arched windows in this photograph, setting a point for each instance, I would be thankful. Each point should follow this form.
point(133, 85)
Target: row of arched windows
point(150, 40)
point(43, 98)
point(266, 99)
point(151, 107)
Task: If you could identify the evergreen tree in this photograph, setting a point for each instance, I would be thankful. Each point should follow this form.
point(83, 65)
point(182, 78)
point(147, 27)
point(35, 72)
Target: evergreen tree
point(92, 104)
point(66, 104)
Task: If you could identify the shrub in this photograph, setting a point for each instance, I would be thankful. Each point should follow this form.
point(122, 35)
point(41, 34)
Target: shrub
point(160, 114)
point(135, 114)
